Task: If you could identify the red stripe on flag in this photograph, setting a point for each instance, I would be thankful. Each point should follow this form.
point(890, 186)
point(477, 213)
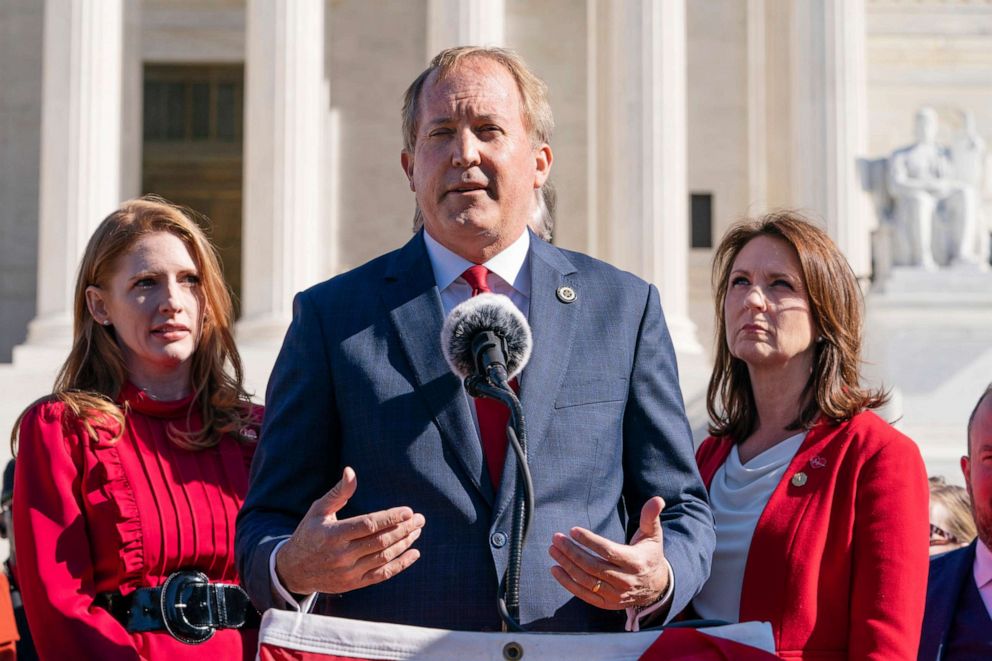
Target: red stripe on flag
point(267, 652)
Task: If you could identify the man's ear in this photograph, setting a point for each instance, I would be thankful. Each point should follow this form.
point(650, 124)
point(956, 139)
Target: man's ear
point(406, 160)
point(97, 304)
point(966, 469)
point(542, 164)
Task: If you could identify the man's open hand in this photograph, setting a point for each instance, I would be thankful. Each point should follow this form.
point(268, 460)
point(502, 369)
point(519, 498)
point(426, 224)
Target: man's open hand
point(611, 575)
point(331, 555)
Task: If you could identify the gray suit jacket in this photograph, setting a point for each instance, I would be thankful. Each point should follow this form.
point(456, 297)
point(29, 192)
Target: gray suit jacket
point(361, 381)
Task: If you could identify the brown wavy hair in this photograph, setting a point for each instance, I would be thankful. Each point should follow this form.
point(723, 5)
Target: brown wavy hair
point(834, 387)
point(94, 372)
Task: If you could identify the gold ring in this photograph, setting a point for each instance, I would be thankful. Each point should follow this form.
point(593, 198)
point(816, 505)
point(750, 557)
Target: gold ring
point(595, 588)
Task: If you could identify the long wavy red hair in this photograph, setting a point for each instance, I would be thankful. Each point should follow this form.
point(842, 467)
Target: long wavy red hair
point(94, 371)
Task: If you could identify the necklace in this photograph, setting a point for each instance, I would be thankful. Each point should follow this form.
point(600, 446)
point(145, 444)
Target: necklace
point(157, 398)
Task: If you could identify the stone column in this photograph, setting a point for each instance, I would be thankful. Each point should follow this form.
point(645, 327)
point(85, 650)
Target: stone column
point(757, 106)
point(829, 99)
point(132, 95)
point(638, 124)
point(80, 152)
point(464, 23)
point(286, 104)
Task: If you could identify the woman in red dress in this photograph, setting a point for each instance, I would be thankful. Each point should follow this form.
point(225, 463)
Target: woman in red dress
point(821, 507)
point(130, 475)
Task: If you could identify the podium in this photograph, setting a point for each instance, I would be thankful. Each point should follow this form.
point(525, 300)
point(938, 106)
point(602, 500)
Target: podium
point(294, 636)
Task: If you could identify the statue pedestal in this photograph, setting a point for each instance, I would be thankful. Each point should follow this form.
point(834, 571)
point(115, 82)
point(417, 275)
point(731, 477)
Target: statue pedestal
point(929, 340)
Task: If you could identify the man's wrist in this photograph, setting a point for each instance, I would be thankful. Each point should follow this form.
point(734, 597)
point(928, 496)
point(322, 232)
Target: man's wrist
point(300, 602)
point(637, 616)
point(280, 561)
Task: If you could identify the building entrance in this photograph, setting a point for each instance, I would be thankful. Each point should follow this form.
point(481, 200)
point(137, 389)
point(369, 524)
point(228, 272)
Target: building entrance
point(192, 149)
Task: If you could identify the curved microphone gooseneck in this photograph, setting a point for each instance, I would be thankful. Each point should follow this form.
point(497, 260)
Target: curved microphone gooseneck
point(508, 597)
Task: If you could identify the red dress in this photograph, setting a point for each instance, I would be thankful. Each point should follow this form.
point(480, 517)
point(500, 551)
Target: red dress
point(102, 516)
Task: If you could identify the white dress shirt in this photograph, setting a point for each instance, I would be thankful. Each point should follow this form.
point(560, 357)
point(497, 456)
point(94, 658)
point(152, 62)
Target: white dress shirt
point(508, 273)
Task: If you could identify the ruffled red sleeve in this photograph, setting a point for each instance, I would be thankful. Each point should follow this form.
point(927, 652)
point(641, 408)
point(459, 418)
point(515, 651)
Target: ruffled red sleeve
point(55, 562)
point(126, 513)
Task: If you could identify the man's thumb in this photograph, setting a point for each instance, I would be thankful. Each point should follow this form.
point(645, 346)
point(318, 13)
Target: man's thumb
point(650, 523)
point(332, 501)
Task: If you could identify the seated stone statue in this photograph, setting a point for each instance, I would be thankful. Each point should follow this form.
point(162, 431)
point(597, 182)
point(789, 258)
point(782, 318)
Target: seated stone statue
point(930, 201)
point(968, 155)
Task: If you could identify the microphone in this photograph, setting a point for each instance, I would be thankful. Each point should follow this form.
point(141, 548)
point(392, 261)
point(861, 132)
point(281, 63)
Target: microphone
point(486, 336)
point(487, 342)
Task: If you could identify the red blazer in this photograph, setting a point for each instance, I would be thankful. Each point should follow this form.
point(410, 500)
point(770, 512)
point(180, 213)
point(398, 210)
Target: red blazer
point(839, 559)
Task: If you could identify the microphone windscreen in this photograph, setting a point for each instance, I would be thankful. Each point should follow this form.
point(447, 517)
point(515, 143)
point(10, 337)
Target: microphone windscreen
point(485, 312)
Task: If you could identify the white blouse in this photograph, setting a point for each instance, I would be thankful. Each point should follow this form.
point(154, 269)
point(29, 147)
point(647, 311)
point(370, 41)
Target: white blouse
point(738, 495)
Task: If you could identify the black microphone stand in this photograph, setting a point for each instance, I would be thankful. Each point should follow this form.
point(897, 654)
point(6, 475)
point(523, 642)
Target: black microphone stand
point(496, 386)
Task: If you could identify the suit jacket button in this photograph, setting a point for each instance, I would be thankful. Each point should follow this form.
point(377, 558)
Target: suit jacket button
point(799, 479)
point(498, 539)
point(565, 294)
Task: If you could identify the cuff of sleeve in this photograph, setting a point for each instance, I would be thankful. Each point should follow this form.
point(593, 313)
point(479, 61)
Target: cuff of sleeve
point(304, 605)
point(636, 614)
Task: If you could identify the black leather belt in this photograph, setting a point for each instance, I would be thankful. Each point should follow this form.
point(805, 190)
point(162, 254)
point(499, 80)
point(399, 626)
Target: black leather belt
point(188, 606)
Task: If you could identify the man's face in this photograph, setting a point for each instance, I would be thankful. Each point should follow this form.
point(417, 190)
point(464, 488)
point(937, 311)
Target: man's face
point(978, 470)
point(474, 168)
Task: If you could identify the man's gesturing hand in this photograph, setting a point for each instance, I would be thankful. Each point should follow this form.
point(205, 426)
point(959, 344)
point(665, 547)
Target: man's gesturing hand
point(331, 555)
point(611, 575)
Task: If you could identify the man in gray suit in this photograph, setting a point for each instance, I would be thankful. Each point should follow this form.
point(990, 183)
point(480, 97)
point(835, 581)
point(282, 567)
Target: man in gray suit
point(415, 528)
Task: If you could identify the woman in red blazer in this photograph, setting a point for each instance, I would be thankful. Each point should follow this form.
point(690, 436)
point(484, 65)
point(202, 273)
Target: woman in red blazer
point(821, 507)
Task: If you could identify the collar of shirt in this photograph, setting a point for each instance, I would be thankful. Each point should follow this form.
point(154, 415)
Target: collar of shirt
point(509, 266)
point(983, 566)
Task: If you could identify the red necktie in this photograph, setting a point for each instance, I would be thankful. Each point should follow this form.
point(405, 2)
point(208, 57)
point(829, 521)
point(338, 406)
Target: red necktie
point(492, 415)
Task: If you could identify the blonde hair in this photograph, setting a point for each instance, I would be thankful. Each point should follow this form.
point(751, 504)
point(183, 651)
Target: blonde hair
point(95, 370)
point(960, 522)
point(537, 114)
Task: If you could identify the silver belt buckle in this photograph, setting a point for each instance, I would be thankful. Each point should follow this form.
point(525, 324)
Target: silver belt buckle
point(177, 592)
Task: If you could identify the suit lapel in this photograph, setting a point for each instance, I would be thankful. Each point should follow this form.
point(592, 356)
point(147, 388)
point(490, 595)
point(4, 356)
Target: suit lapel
point(553, 325)
point(411, 297)
point(943, 600)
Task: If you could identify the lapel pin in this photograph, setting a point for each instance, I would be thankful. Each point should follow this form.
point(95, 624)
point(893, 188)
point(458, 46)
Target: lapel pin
point(799, 479)
point(565, 294)
point(818, 462)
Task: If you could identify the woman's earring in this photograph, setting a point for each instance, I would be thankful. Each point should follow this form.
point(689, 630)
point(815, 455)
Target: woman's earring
point(106, 322)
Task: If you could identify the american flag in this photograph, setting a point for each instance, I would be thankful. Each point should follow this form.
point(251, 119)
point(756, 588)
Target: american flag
point(293, 636)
